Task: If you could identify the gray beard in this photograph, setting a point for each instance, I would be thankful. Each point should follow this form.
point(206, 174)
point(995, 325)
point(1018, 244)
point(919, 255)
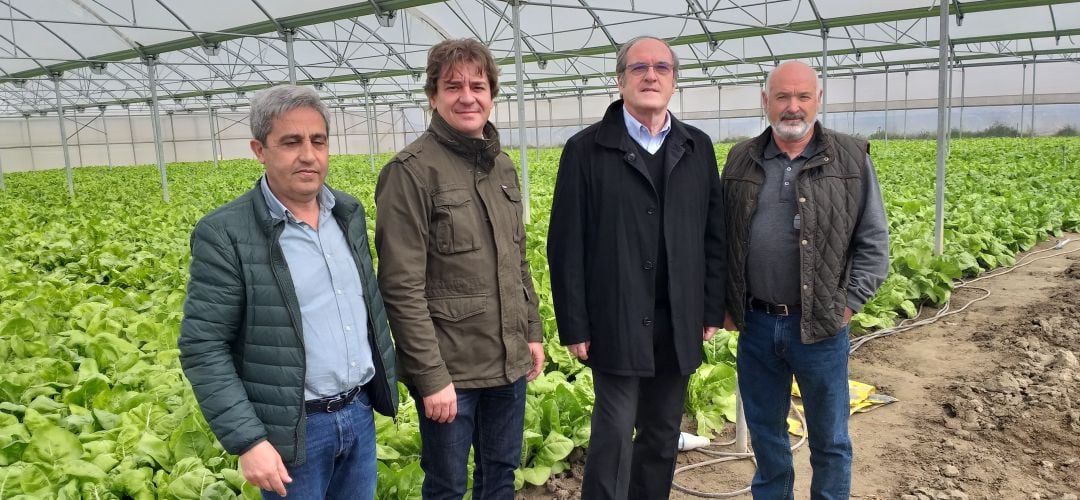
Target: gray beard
point(790, 132)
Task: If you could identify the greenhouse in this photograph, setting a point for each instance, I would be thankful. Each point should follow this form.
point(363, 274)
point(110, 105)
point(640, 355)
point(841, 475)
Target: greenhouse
point(124, 122)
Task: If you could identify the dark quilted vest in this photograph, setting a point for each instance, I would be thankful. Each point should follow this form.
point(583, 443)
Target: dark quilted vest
point(829, 192)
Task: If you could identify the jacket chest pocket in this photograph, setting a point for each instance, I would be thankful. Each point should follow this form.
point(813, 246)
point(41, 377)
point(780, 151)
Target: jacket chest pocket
point(513, 194)
point(454, 221)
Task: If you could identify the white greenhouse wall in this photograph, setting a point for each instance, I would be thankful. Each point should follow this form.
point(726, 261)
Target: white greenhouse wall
point(991, 95)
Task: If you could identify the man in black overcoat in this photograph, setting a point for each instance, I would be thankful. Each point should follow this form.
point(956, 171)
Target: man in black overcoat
point(636, 252)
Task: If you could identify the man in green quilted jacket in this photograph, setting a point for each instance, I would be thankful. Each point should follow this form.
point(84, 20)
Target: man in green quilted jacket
point(284, 337)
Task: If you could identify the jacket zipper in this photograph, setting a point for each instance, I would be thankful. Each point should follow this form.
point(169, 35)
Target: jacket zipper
point(278, 228)
point(376, 353)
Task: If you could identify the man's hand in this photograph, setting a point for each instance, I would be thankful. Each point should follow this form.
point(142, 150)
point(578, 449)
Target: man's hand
point(441, 406)
point(262, 467)
point(708, 332)
point(729, 323)
point(848, 313)
point(536, 350)
point(579, 351)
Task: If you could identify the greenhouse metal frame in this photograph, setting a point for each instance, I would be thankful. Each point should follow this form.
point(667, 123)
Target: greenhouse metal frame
point(63, 57)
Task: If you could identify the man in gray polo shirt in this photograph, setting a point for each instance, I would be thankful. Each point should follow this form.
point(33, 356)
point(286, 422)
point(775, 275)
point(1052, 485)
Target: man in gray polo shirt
point(284, 337)
point(808, 246)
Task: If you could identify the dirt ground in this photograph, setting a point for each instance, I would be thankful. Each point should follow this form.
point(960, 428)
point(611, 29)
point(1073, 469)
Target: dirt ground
point(989, 400)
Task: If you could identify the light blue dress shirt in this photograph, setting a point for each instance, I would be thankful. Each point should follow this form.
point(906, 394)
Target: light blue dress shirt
point(331, 298)
point(640, 133)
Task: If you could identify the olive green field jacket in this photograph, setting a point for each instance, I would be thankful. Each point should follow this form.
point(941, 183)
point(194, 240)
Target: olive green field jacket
point(452, 262)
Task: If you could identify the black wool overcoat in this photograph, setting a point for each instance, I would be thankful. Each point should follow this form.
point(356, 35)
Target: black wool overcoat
point(603, 240)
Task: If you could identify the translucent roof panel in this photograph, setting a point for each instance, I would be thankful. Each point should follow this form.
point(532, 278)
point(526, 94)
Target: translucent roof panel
point(378, 48)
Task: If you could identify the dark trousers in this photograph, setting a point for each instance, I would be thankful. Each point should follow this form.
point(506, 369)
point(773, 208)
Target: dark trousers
point(489, 421)
point(624, 465)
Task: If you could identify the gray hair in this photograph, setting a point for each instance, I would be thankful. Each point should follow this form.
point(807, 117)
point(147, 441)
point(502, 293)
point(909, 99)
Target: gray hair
point(768, 77)
point(269, 104)
point(624, 49)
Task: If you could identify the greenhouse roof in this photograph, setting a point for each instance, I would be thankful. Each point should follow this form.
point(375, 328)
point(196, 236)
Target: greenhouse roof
point(96, 52)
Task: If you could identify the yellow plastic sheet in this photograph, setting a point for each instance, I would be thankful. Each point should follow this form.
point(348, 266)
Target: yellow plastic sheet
point(864, 397)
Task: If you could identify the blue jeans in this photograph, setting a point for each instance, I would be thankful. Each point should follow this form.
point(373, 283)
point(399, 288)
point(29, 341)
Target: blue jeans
point(490, 420)
point(770, 352)
point(340, 460)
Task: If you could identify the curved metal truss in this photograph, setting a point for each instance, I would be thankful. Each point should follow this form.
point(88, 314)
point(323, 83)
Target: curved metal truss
point(211, 55)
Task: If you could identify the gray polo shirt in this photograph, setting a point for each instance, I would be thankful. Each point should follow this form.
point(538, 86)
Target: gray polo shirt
point(772, 267)
point(331, 299)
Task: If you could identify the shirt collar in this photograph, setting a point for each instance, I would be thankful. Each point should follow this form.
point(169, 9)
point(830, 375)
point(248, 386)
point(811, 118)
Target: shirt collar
point(772, 151)
point(637, 129)
point(277, 209)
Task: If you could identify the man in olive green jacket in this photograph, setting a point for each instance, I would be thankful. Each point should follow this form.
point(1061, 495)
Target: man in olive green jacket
point(457, 286)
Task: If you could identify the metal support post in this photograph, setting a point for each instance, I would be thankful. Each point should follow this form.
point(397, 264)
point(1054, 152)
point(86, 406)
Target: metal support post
point(948, 107)
point(105, 130)
point(290, 36)
point(523, 153)
point(63, 134)
point(886, 105)
point(1033, 101)
point(939, 204)
point(762, 121)
point(30, 143)
point(904, 130)
point(824, 72)
point(220, 139)
point(393, 127)
point(344, 130)
point(1023, 93)
point(172, 134)
point(371, 136)
point(551, 125)
point(742, 434)
point(78, 139)
point(155, 119)
point(375, 124)
point(580, 114)
point(719, 110)
point(213, 138)
point(335, 126)
point(854, 100)
point(963, 75)
point(536, 126)
point(131, 133)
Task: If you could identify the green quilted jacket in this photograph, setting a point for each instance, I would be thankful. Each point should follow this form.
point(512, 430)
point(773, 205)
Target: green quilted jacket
point(241, 343)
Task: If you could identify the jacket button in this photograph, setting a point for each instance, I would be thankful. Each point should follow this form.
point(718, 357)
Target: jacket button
point(826, 158)
point(646, 321)
point(804, 242)
point(631, 157)
point(649, 264)
point(650, 210)
point(802, 200)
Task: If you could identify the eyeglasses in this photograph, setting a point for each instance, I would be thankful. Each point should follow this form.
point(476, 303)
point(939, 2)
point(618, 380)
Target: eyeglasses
point(639, 69)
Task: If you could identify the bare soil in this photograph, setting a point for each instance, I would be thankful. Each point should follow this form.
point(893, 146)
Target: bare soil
point(989, 401)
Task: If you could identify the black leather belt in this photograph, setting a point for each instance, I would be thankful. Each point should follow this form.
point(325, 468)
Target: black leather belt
point(773, 309)
point(330, 404)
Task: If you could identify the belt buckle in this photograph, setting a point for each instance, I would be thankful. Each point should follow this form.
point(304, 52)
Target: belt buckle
point(335, 404)
point(784, 308)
